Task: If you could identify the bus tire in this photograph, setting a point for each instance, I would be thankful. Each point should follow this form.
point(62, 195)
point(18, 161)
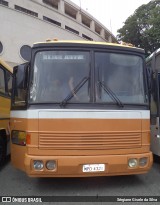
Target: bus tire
point(2, 151)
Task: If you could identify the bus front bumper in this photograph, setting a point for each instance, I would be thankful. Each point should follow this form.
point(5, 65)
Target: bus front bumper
point(88, 166)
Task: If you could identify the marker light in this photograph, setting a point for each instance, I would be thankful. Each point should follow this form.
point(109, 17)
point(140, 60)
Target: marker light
point(51, 165)
point(38, 165)
point(28, 138)
point(143, 161)
point(132, 163)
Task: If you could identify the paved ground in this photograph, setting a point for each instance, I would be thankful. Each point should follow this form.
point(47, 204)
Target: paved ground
point(16, 183)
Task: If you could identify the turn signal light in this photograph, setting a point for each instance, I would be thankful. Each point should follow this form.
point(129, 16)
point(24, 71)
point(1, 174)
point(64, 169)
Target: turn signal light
point(28, 138)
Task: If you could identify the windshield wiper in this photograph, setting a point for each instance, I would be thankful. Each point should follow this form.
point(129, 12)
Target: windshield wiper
point(111, 93)
point(74, 91)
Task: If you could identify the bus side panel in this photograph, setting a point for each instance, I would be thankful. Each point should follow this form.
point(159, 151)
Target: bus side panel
point(17, 156)
point(18, 152)
point(4, 110)
point(155, 140)
point(4, 127)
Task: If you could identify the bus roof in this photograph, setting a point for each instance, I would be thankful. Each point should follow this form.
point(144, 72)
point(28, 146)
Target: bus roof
point(55, 41)
point(4, 64)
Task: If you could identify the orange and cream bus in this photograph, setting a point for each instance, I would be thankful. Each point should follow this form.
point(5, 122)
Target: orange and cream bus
point(153, 67)
point(5, 102)
point(80, 108)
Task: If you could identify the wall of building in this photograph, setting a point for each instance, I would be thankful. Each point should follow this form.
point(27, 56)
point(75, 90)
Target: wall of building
point(19, 28)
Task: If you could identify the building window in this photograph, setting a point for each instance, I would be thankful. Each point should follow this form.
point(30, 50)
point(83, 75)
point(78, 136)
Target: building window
point(51, 21)
point(72, 30)
point(52, 3)
point(70, 11)
point(26, 11)
point(5, 3)
point(107, 36)
point(98, 29)
point(86, 21)
point(87, 37)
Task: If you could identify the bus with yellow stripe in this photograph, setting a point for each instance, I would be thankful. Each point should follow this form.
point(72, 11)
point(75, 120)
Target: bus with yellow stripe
point(81, 109)
point(5, 102)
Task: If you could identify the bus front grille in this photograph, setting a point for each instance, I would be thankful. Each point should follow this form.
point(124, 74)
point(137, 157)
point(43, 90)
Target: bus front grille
point(83, 141)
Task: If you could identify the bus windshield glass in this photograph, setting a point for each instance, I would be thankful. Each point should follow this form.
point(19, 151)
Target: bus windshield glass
point(119, 76)
point(57, 75)
point(65, 77)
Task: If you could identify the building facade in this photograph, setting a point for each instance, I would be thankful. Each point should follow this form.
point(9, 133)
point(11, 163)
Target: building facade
point(24, 22)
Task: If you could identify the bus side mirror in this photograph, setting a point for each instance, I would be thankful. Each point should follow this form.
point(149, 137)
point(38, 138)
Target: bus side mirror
point(20, 84)
point(20, 75)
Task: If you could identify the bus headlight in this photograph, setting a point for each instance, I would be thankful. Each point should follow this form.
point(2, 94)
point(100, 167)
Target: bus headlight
point(38, 165)
point(18, 137)
point(132, 163)
point(51, 165)
point(143, 161)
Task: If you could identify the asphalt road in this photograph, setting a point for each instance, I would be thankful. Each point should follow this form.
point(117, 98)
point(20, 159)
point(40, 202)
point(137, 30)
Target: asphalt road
point(16, 183)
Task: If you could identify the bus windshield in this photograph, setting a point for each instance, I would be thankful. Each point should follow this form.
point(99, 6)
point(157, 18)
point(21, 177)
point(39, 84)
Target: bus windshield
point(65, 77)
point(122, 75)
point(56, 75)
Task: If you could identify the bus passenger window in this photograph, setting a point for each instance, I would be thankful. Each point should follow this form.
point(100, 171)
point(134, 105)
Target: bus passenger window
point(2, 82)
point(9, 83)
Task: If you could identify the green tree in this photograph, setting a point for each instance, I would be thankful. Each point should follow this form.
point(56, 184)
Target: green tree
point(142, 29)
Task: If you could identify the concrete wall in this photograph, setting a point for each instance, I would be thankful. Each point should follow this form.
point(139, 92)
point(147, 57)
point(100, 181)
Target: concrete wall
point(18, 28)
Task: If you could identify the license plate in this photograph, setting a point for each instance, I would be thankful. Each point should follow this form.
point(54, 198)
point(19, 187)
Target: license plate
point(93, 167)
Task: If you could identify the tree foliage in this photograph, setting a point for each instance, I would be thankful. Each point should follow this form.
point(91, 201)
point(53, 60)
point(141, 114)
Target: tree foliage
point(142, 29)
